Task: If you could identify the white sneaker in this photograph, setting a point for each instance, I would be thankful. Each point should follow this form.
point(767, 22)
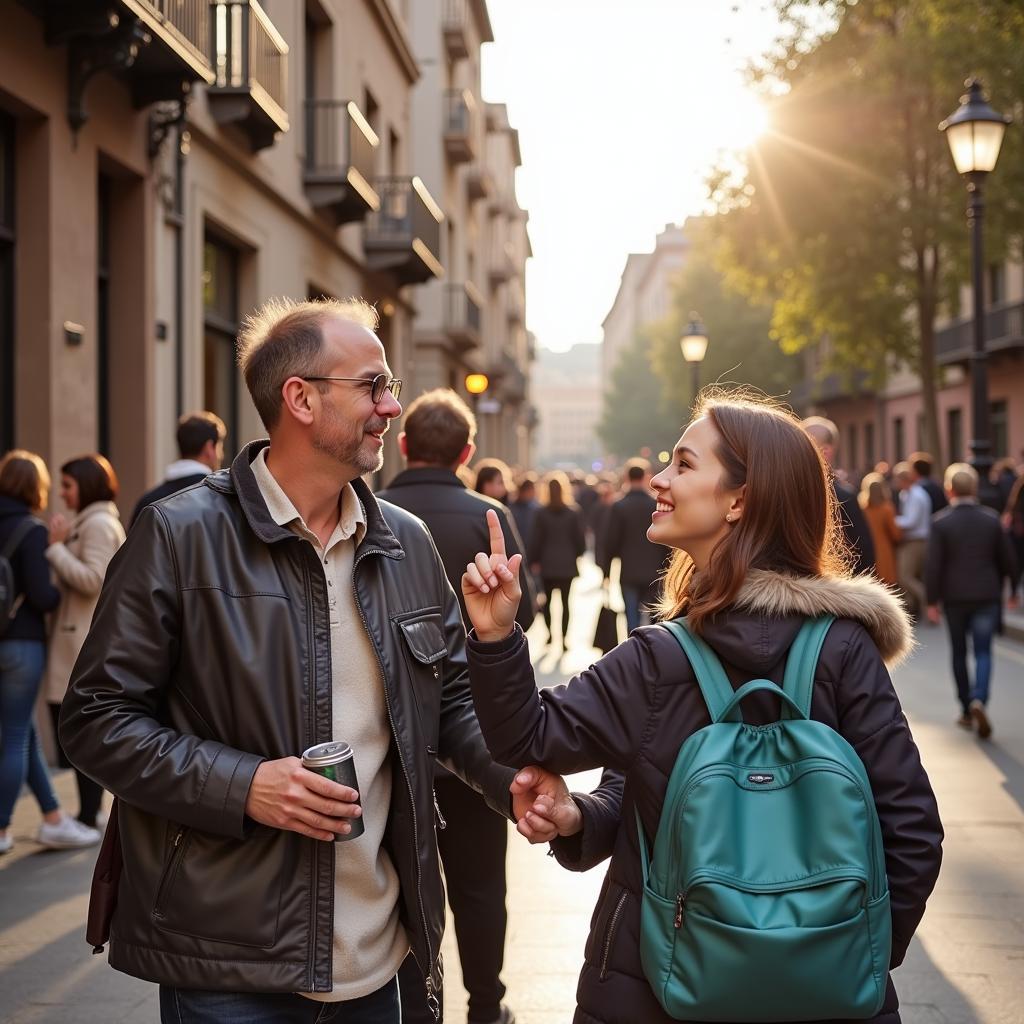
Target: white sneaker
point(6, 842)
point(67, 834)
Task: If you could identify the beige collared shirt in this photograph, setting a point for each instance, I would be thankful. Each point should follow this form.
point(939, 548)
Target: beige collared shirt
point(369, 940)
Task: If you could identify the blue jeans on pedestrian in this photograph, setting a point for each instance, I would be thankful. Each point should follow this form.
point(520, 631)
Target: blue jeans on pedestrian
point(979, 621)
point(195, 1006)
point(637, 600)
point(21, 760)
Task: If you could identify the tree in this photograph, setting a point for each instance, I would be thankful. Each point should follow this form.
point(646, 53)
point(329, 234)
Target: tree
point(849, 218)
point(635, 416)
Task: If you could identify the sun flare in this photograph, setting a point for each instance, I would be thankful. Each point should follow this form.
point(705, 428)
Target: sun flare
point(742, 118)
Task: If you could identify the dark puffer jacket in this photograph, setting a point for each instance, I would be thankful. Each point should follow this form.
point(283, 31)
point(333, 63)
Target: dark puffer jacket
point(635, 707)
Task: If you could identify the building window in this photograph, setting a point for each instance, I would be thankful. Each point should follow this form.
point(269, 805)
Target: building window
point(103, 193)
point(851, 447)
point(922, 433)
point(6, 282)
point(899, 438)
point(869, 445)
point(955, 434)
point(999, 428)
point(220, 329)
point(996, 283)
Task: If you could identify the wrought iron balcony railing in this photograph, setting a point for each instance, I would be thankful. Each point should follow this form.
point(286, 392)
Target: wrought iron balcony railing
point(462, 315)
point(1003, 329)
point(459, 123)
point(403, 237)
point(340, 157)
point(455, 28)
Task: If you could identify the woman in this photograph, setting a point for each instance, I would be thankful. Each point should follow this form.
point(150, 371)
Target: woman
point(24, 491)
point(555, 545)
point(492, 477)
point(748, 506)
point(876, 501)
point(79, 553)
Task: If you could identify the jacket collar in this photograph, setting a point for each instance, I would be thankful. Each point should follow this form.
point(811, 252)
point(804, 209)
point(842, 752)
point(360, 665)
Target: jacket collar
point(862, 598)
point(427, 475)
point(241, 481)
point(96, 508)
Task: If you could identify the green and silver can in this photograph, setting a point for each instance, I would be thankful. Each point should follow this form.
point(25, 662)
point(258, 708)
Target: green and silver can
point(334, 761)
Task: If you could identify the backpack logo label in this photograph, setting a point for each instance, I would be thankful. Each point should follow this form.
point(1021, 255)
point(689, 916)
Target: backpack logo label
point(760, 778)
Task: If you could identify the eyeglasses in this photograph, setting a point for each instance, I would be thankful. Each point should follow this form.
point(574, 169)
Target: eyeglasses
point(378, 385)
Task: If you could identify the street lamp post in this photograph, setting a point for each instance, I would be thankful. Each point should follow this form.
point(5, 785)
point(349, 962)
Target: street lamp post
point(975, 134)
point(694, 344)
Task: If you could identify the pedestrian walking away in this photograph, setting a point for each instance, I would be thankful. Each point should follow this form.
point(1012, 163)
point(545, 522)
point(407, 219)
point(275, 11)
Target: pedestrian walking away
point(80, 551)
point(876, 502)
point(24, 494)
point(438, 437)
point(970, 567)
point(640, 561)
point(278, 606)
point(200, 437)
point(914, 521)
point(753, 563)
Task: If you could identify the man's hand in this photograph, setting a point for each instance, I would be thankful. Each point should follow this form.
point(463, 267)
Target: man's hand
point(285, 795)
point(490, 586)
point(934, 615)
point(543, 807)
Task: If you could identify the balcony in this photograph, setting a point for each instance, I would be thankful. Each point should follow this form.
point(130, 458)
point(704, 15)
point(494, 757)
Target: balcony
point(160, 47)
point(403, 237)
point(455, 27)
point(516, 308)
point(459, 122)
point(340, 155)
point(251, 69)
point(462, 316)
point(511, 380)
point(502, 264)
point(1003, 327)
point(479, 183)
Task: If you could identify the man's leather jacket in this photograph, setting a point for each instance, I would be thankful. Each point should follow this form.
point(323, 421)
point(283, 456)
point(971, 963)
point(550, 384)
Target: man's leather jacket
point(210, 652)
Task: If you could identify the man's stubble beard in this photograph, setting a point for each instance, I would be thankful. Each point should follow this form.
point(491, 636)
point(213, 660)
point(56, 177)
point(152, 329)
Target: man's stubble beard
point(346, 452)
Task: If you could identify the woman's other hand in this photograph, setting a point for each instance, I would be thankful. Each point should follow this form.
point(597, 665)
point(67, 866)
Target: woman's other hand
point(59, 529)
point(490, 587)
point(543, 806)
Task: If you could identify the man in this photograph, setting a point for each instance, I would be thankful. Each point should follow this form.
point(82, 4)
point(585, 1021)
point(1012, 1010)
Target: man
point(524, 508)
point(438, 438)
point(625, 538)
point(914, 520)
point(200, 437)
point(969, 561)
point(922, 463)
point(825, 434)
point(277, 607)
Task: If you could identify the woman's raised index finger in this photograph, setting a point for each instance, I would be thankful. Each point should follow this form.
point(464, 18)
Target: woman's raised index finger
point(497, 537)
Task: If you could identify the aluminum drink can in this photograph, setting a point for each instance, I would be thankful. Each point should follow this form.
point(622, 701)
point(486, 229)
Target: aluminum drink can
point(334, 761)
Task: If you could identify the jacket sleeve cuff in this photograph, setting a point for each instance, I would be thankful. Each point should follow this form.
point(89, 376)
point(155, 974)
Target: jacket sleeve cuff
point(491, 653)
point(226, 791)
point(582, 851)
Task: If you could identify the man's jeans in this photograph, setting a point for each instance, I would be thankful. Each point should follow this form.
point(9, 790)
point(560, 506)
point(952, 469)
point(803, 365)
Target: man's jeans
point(637, 600)
point(194, 1006)
point(980, 621)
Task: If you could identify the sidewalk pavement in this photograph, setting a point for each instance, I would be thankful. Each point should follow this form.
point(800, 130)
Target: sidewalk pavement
point(965, 967)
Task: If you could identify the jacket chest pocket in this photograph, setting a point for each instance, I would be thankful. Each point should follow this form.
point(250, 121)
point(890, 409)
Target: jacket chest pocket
point(424, 646)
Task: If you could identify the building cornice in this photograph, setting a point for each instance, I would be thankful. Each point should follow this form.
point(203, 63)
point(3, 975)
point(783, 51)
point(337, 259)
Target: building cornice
point(483, 21)
point(396, 36)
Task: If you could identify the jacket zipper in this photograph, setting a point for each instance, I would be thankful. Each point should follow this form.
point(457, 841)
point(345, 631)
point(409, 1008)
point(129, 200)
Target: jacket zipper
point(680, 901)
point(611, 932)
point(432, 1000)
point(310, 741)
point(441, 823)
point(177, 852)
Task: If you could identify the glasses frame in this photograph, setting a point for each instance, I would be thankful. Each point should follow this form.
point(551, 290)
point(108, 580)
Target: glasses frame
point(379, 383)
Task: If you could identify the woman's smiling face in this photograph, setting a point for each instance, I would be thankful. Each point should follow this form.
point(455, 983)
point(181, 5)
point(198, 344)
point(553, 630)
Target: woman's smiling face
point(693, 502)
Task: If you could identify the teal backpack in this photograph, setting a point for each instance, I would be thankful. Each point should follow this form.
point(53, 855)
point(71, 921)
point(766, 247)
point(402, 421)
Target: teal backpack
point(766, 897)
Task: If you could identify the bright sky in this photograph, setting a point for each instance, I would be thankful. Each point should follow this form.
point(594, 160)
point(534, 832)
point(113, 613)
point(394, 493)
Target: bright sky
point(621, 108)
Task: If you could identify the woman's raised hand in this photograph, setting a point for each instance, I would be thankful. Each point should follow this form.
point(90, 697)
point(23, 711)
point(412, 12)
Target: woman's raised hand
point(490, 586)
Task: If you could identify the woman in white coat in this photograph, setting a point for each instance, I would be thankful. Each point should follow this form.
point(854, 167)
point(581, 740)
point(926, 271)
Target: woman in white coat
point(79, 553)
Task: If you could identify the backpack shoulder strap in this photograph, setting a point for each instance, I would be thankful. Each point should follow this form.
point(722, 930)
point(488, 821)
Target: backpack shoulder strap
point(20, 532)
point(714, 683)
point(798, 681)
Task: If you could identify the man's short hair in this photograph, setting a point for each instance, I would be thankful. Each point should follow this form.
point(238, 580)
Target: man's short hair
point(637, 469)
point(196, 430)
point(922, 463)
point(438, 426)
point(284, 338)
point(962, 480)
point(903, 471)
point(821, 430)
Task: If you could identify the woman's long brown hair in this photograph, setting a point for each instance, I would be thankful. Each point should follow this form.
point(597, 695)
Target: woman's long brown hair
point(790, 522)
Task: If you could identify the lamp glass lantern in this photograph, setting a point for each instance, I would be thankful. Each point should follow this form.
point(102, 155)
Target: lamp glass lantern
point(694, 342)
point(975, 132)
point(477, 383)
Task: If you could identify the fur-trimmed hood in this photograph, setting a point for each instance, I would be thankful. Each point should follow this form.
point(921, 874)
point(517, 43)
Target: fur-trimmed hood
point(861, 598)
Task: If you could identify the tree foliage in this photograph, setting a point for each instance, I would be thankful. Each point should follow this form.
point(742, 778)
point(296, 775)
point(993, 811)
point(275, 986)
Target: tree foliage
point(849, 219)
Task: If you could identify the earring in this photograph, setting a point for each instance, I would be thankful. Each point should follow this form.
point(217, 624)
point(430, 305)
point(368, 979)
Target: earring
point(728, 518)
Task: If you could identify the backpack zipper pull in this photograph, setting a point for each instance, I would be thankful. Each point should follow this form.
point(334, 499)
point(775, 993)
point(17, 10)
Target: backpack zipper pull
point(680, 899)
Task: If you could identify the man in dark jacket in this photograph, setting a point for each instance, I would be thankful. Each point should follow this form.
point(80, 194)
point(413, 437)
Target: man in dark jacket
point(438, 438)
point(825, 434)
point(200, 438)
point(922, 464)
point(968, 564)
point(625, 538)
point(277, 607)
